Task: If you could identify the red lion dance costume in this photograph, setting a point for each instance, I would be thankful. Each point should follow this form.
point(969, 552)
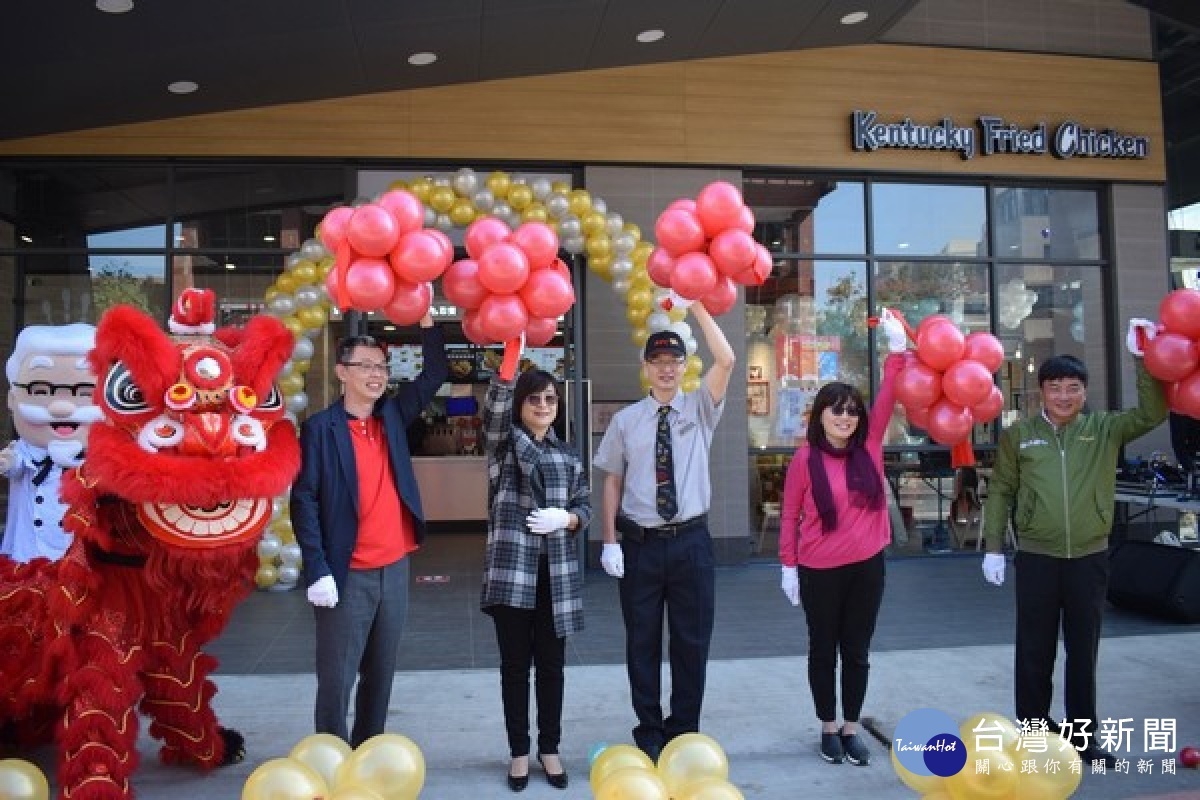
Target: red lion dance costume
point(166, 509)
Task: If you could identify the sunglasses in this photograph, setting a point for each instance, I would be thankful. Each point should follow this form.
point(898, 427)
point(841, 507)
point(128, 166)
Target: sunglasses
point(845, 411)
point(547, 400)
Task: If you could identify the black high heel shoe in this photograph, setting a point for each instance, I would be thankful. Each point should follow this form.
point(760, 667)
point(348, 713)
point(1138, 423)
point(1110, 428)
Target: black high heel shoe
point(518, 782)
point(558, 780)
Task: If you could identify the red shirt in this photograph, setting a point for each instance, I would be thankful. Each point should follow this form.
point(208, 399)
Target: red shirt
point(385, 530)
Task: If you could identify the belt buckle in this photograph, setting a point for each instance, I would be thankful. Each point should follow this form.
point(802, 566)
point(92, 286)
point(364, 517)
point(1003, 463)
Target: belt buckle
point(670, 530)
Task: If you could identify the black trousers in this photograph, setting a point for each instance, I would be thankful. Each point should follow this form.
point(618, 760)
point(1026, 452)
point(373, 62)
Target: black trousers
point(675, 574)
point(841, 605)
point(1051, 589)
point(527, 639)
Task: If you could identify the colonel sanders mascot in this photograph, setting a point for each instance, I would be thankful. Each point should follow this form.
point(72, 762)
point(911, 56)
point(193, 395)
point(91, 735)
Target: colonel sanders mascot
point(50, 397)
point(166, 511)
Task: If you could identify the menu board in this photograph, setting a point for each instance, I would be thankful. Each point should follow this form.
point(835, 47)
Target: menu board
point(405, 362)
point(472, 363)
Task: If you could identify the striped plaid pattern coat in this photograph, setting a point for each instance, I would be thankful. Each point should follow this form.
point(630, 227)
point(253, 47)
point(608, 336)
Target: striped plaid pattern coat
point(510, 569)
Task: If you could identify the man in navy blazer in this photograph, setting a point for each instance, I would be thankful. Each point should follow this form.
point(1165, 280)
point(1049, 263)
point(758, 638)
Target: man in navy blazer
point(356, 512)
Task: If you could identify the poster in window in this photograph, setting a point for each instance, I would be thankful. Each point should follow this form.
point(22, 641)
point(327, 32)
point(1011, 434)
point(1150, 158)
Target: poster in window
point(758, 398)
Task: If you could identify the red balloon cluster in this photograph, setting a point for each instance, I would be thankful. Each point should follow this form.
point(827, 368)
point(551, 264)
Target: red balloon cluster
point(706, 247)
point(384, 259)
point(511, 281)
point(1173, 355)
point(948, 387)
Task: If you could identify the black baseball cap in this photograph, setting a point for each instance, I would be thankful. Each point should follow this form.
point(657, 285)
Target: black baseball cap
point(664, 342)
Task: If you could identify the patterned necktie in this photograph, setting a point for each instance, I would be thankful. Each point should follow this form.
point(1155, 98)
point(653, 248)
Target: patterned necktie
point(664, 469)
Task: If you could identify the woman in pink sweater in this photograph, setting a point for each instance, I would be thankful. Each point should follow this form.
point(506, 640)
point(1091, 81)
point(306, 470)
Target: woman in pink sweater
point(834, 527)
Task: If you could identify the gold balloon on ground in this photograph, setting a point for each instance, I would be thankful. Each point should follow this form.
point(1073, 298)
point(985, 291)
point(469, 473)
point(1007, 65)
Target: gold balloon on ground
point(615, 757)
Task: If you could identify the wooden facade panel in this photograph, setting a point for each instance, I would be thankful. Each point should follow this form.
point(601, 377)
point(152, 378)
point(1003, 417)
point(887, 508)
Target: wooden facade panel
point(780, 109)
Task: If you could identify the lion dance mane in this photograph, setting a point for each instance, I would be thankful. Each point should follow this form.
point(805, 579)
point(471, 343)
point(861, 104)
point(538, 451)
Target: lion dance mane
point(166, 510)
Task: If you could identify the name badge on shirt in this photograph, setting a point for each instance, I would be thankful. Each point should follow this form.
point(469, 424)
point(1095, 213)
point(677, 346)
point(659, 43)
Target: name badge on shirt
point(685, 427)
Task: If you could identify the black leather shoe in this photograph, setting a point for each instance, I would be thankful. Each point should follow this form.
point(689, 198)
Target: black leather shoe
point(518, 782)
point(831, 748)
point(558, 780)
point(856, 752)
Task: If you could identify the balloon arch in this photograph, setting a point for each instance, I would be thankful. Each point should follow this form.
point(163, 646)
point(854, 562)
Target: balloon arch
point(615, 251)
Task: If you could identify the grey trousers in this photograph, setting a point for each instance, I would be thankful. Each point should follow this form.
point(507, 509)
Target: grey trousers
point(358, 639)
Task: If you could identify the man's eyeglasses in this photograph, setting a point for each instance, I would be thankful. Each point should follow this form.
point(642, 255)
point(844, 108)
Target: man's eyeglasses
point(368, 367)
point(844, 411)
point(664, 363)
point(547, 400)
point(47, 389)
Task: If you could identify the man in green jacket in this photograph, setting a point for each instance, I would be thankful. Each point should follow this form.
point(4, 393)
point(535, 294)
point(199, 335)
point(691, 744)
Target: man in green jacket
point(1055, 477)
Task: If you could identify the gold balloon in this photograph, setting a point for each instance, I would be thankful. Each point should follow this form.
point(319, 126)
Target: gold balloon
point(690, 757)
point(937, 794)
point(592, 222)
point(633, 230)
point(290, 384)
point(640, 279)
point(305, 273)
point(640, 298)
point(354, 792)
point(520, 196)
point(462, 213)
point(677, 314)
point(710, 789)
point(397, 184)
point(294, 325)
point(282, 527)
point(632, 783)
point(601, 265)
point(615, 757)
point(639, 337)
point(498, 183)
point(21, 780)
point(560, 186)
point(643, 381)
point(266, 577)
point(388, 764)
point(599, 246)
point(324, 265)
point(636, 316)
point(323, 753)
point(918, 783)
point(989, 730)
point(270, 294)
point(998, 783)
point(284, 779)
point(300, 367)
point(689, 384)
point(695, 365)
point(287, 283)
point(441, 199)
point(579, 202)
point(641, 253)
point(421, 188)
point(535, 213)
point(1043, 784)
point(312, 317)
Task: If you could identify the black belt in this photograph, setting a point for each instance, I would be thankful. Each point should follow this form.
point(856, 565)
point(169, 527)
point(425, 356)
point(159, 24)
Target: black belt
point(669, 531)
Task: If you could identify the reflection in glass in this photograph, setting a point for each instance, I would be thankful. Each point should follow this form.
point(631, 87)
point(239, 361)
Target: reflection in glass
point(929, 220)
point(63, 289)
point(806, 215)
point(1046, 223)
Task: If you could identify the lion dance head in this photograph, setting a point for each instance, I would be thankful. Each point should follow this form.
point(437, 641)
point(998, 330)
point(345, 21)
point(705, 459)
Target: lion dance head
point(166, 509)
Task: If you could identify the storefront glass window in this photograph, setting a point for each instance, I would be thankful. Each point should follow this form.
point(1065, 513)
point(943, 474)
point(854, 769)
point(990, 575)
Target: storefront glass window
point(803, 215)
point(1045, 223)
point(928, 220)
point(79, 288)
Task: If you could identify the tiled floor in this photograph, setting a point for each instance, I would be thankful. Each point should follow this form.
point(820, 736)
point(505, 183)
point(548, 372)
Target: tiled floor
point(930, 602)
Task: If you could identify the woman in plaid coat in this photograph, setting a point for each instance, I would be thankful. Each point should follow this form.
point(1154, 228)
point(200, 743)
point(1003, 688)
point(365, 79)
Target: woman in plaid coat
point(532, 587)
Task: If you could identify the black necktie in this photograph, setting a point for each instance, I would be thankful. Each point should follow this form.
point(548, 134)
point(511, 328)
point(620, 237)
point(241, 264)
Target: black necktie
point(44, 465)
point(665, 498)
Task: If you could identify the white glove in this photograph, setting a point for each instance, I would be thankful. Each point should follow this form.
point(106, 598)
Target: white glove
point(893, 332)
point(548, 520)
point(613, 560)
point(1148, 330)
point(7, 457)
point(673, 301)
point(323, 592)
point(791, 585)
point(993, 568)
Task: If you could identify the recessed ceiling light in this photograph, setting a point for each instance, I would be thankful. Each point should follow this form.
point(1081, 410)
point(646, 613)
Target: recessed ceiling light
point(114, 6)
point(652, 35)
point(268, 238)
point(422, 59)
point(854, 17)
point(230, 265)
point(182, 87)
point(26, 239)
point(902, 245)
point(389, 327)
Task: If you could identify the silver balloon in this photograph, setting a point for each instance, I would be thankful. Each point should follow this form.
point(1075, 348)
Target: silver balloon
point(442, 182)
point(465, 181)
point(313, 250)
point(598, 204)
point(502, 210)
point(541, 188)
point(658, 321)
point(277, 507)
point(557, 205)
point(484, 200)
point(518, 181)
point(430, 217)
point(290, 554)
point(296, 403)
point(690, 344)
point(614, 223)
point(313, 333)
point(621, 285)
point(444, 223)
point(281, 305)
point(307, 296)
point(303, 350)
point(570, 226)
point(287, 369)
point(268, 546)
point(573, 244)
point(683, 329)
point(622, 268)
point(291, 417)
point(288, 574)
point(623, 244)
point(293, 261)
